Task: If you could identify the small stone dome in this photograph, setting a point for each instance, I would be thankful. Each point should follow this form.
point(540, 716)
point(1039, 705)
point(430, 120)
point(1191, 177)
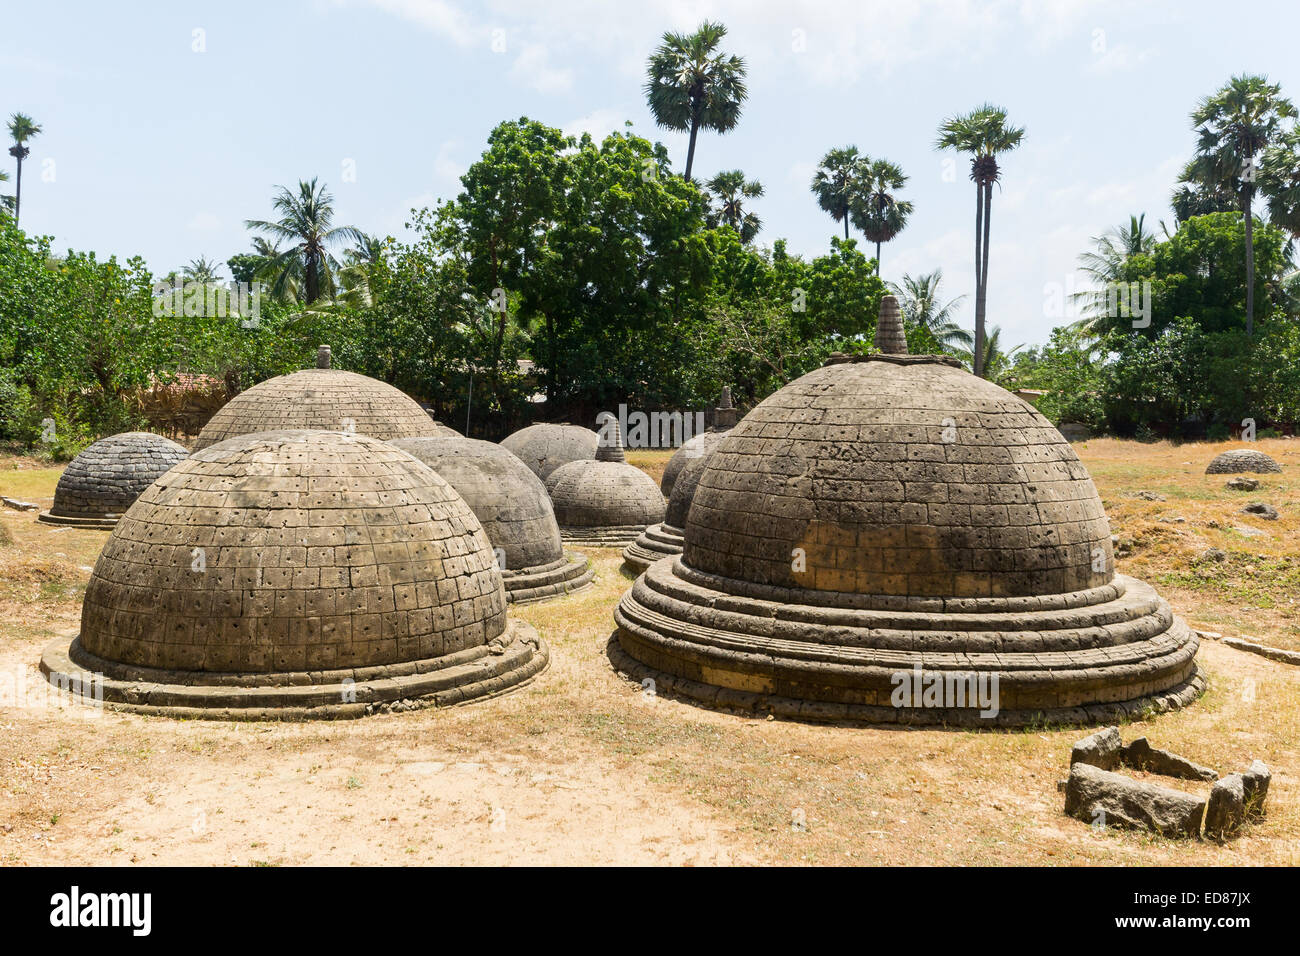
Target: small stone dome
point(106, 478)
point(724, 419)
point(324, 398)
point(1241, 460)
point(512, 505)
point(604, 503)
point(544, 447)
point(892, 516)
point(666, 539)
point(296, 574)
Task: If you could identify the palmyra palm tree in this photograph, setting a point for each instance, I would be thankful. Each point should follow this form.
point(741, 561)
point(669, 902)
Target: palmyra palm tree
point(731, 191)
point(22, 129)
point(691, 85)
point(1279, 181)
point(837, 181)
point(306, 223)
point(876, 211)
point(1105, 266)
point(983, 133)
point(1234, 126)
point(919, 300)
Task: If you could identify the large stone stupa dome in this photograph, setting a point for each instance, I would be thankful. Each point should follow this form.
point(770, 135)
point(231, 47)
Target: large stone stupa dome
point(544, 447)
point(887, 513)
point(512, 505)
point(322, 397)
point(666, 539)
point(296, 574)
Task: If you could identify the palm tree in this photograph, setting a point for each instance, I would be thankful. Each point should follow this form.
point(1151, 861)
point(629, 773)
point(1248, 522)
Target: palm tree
point(202, 271)
point(876, 210)
point(991, 358)
point(357, 277)
point(732, 190)
point(690, 85)
point(1279, 181)
point(1190, 199)
point(984, 134)
point(919, 299)
point(1105, 266)
point(21, 128)
point(837, 181)
point(1233, 127)
point(306, 222)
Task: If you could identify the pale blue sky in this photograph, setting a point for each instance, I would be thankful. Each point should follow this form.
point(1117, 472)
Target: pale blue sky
point(152, 148)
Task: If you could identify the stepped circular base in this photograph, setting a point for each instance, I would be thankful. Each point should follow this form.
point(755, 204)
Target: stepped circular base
point(510, 661)
point(617, 536)
point(1079, 658)
point(573, 572)
point(655, 543)
point(72, 521)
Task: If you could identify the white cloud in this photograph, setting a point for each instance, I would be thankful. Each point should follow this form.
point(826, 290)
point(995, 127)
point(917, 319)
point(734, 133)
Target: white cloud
point(444, 167)
point(436, 16)
point(533, 68)
point(599, 123)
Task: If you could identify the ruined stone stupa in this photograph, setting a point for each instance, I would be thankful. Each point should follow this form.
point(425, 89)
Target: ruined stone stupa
point(512, 505)
point(889, 538)
point(1240, 460)
point(321, 397)
point(296, 574)
point(724, 419)
point(604, 503)
point(545, 447)
point(666, 538)
point(106, 478)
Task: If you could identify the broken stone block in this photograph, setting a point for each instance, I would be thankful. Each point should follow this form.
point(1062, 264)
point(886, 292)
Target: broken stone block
point(1112, 799)
point(1243, 484)
point(1255, 784)
point(1140, 755)
point(1262, 510)
point(1226, 810)
point(1101, 749)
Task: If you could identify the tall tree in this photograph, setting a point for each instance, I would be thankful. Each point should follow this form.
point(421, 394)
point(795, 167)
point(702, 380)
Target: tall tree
point(1234, 126)
point(837, 180)
point(876, 211)
point(1279, 181)
point(983, 133)
point(919, 300)
point(1104, 265)
point(731, 191)
point(201, 270)
point(22, 129)
point(691, 85)
point(307, 224)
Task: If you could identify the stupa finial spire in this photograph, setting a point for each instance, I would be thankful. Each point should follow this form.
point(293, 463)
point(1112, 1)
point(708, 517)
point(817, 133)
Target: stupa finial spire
point(609, 447)
point(889, 328)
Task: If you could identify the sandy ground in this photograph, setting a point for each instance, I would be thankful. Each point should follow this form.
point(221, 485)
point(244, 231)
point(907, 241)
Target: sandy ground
point(580, 767)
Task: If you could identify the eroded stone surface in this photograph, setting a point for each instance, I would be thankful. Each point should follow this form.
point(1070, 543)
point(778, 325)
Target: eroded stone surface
point(1101, 749)
point(1140, 755)
point(106, 478)
point(1240, 460)
point(1102, 798)
point(666, 538)
point(1225, 812)
point(605, 502)
point(545, 447)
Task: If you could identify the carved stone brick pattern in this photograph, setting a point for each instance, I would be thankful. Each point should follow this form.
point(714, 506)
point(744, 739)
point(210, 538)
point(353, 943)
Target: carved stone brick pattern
point(329, 399)
point(604, 503)
point(1241, 460)
point(702, 444)
point(512, 505)
point(545, 447)
point(290, 570)
point(107, 477)
point(665, 539)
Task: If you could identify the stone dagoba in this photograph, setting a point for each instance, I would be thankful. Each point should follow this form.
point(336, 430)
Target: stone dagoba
point(604, 503)
point(291, 575)
point(512, 505)
point(106, 478)
point(321, 397)
point(724, 419)
point(1240, 460)
point(891, 539)
point(666, 538)
point(545, 447)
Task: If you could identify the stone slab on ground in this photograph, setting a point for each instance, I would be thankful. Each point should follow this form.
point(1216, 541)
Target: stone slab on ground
point(1094, 795)
point(1140, 755)
point(1101, 749)
point(1226, 811)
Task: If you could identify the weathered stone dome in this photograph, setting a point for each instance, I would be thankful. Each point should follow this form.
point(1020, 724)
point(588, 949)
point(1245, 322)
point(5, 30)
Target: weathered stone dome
point(322, 397)
point(604, 503)
point(892, 515)
point(666, 538)
point(545, 447)
point(512, 505)
point(296, 574)
point(724, 419)
point(1240, 460)
point(106, 478)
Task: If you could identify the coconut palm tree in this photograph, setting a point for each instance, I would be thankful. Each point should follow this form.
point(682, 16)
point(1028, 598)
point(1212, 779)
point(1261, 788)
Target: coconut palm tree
point(691, 85)
point(202, 271)
point(1104, 265)
point(357, 277)
point(306, 223)
point(919, 300)
point(876, 211)
point(985, 134)
point(21, 128)
point(1234, 126)
point(993, 361)
point(731, 191)
point(838, 180)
